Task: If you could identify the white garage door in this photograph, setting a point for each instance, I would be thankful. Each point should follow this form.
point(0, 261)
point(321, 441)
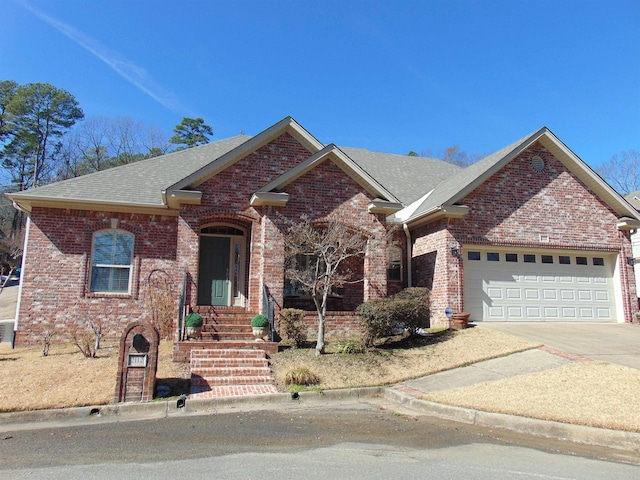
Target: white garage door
point(538, 285)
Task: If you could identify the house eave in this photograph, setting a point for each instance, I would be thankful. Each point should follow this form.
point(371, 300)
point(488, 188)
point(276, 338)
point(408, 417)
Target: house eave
point(383, 206)
point(175, 198)
point(27, 203)
point(626, 223)
point(276, 199)
point(443, 211)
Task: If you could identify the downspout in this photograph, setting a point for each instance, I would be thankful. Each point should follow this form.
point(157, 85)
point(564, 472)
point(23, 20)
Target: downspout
point(408, 235)
point(20, 282)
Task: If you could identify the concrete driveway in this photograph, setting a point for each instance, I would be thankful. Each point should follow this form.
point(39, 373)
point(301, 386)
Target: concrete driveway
point(608, 342)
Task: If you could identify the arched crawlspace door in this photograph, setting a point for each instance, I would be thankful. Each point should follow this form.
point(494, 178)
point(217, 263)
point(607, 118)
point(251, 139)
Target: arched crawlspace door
point(221, 266)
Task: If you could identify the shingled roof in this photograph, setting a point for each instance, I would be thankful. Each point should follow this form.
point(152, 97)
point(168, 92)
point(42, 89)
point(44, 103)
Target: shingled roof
point(136, 184)
point(424, 186)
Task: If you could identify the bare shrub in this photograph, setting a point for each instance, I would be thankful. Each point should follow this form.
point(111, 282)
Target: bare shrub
point(47, 336)
point(160, 302)
point(292, 326)
point(83, 339)
point(96, 328)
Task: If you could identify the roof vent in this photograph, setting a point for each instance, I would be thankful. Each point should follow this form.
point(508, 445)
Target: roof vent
point(537, 163)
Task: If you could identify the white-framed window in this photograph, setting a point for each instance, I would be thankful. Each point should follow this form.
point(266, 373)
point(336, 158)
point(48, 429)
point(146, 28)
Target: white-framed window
point(394, 264)
point(111, 261)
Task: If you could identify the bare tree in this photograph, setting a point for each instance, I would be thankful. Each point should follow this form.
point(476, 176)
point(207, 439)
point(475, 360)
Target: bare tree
point(100, 143)
point(458, 157)
point(622, 171)
point(325, 249)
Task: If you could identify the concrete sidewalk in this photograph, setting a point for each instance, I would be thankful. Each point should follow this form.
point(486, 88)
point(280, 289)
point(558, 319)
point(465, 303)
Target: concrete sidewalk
point(522, 363)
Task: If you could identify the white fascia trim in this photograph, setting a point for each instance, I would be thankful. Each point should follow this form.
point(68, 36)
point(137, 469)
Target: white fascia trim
point(277, 199)
point(177, 197)
point(443, 211)
point(383, 206)
point(626, 223)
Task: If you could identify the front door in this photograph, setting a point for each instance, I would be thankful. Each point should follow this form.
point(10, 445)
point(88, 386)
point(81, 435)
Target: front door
point(213, 278)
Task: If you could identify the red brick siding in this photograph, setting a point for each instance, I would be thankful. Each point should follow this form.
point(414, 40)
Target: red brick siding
point(515, 207)
point(57, 268)
point(57, 271)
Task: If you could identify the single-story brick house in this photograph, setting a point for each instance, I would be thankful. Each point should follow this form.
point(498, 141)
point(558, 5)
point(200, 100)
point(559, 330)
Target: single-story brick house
point(527, 233)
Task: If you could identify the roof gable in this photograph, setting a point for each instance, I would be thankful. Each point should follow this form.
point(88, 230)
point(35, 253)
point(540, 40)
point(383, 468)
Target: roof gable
point(337, 156)
point(455, 188)
point(287, 124)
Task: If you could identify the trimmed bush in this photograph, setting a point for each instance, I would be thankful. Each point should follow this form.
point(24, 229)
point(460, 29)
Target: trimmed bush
point(259, 321)
point(377, 321)
point(407, 310)
point(193, 320)
point(412, 309)
point(292, 326)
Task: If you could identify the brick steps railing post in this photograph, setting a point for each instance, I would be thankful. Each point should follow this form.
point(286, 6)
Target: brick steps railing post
point(230, 372)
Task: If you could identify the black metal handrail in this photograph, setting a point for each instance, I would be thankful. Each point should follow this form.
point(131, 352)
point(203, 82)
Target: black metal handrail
point(181, 305)
point(268, 310)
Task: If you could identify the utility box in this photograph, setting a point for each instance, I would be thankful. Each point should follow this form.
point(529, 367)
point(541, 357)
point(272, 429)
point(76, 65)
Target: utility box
point(138, 363)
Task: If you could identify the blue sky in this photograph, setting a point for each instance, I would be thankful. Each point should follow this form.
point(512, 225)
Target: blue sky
point(390, 76)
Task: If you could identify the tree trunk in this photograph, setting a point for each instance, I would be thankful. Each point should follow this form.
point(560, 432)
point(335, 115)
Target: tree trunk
point(321, 307)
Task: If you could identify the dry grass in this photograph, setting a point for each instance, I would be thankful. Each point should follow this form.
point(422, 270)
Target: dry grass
point(65, 378)
point(595, 394)
point(401, 361)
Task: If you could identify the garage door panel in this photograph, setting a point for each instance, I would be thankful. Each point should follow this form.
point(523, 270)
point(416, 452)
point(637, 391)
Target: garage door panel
point(572, 291)
point(534, 313)
point(495, 293)
point(515, 312)
point(514, 293)
point(585, 295)
point(567, 295)
point(552, 313)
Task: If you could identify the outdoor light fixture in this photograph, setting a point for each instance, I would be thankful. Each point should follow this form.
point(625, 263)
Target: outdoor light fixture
point(455, 252)
point(631, 261)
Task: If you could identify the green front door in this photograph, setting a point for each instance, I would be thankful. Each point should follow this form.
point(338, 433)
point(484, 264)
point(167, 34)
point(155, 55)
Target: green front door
point(213, 278)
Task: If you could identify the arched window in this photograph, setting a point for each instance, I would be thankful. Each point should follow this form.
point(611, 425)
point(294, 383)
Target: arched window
point(111, 259)
point(394, 264)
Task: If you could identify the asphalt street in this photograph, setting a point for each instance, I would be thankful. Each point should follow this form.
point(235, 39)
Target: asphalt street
point(354, 440)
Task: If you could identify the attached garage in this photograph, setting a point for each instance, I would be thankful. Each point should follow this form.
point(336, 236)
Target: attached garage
point(539, 285)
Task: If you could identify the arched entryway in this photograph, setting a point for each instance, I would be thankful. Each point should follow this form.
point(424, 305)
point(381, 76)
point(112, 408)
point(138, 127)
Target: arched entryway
point(221, 266)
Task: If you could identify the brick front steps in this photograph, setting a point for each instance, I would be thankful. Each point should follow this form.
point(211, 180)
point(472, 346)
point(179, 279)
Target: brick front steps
point(230, 372)
point(224, 327)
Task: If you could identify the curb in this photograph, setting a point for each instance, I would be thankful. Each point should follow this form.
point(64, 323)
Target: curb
point(169, 408)
point(398, 395)
point(543, 428)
